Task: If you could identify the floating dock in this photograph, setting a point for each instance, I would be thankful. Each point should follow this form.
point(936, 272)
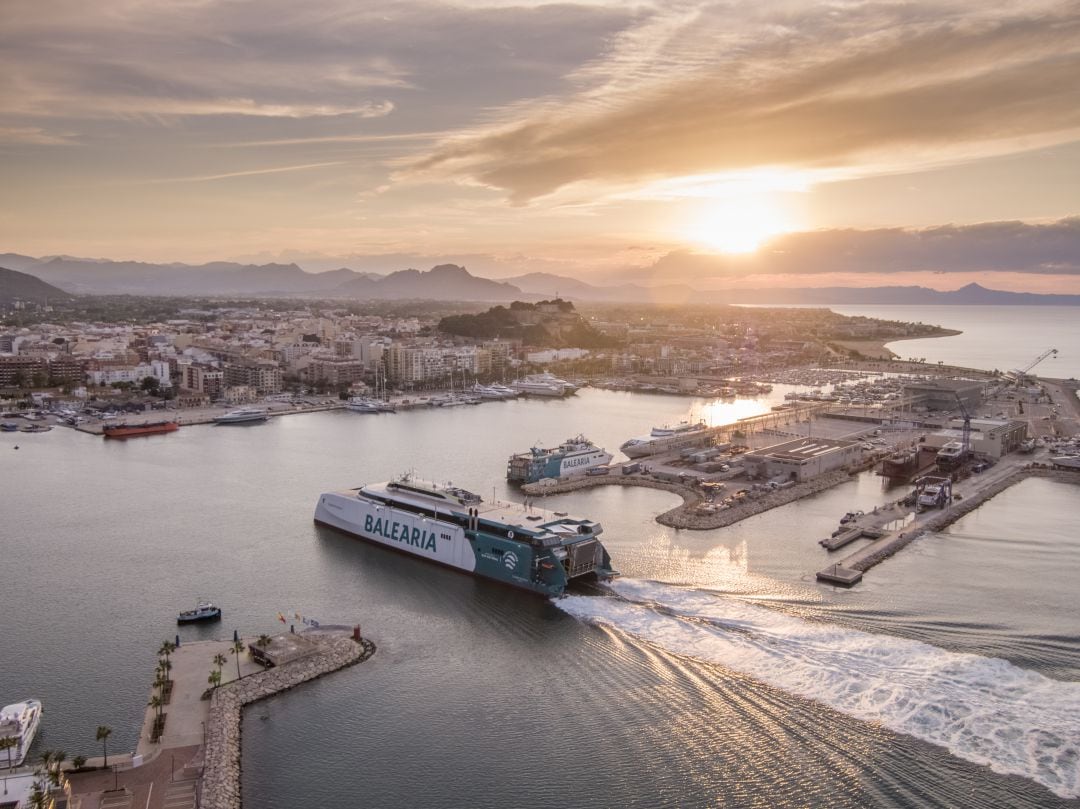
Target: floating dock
point(838, 574)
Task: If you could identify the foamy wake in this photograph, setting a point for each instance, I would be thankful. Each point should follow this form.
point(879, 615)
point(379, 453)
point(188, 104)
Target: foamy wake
point(982, 709)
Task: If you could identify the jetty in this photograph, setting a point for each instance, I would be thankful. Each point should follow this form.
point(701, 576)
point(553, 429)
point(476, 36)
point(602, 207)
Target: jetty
point(188, 754)
point(968, 495)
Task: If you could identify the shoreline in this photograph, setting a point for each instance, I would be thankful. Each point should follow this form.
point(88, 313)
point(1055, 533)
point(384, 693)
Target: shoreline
point(879, 349)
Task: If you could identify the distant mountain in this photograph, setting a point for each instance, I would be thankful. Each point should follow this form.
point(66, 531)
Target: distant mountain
point(21, 286)
point(450, 282)
point(972, 294)
point(446, 282)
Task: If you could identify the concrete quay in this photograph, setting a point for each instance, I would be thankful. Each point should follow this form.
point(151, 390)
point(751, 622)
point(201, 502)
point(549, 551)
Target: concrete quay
point(972, 492)
point(221, 775)
point(694, 513)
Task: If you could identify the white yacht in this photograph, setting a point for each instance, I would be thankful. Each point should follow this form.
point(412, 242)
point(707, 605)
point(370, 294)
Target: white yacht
point(242, 416)
point(545, 384)
point(20, 722)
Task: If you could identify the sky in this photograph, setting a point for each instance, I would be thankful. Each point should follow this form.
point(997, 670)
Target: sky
point(717, 143)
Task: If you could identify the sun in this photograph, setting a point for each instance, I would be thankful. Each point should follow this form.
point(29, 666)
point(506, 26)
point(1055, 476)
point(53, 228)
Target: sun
point(738, 224)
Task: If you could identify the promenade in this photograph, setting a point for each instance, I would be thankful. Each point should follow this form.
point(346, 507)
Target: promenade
point(196, 762)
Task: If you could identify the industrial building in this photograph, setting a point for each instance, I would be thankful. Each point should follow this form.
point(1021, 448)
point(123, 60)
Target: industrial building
point(941, 394)
point(991, 437)
point(802, 459)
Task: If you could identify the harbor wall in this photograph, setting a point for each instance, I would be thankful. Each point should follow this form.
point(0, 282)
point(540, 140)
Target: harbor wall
point(221, 776)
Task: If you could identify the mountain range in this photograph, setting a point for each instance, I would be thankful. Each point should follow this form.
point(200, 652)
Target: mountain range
point(24, 287)
point(450, 282)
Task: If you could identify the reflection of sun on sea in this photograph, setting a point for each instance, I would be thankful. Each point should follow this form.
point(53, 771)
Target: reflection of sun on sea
point(738, 224)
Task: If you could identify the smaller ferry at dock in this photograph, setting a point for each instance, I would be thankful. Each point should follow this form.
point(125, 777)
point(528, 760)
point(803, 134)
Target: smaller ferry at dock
point(684, 435)
point(575, 456)
point(131, 430)
point(19, 722)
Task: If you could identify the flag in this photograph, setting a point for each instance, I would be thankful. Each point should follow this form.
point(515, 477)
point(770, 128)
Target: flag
point(299, 617)
point(281, 618)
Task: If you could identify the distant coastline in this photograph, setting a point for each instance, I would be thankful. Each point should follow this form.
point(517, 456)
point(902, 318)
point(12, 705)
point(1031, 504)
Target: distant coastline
point(878, 349)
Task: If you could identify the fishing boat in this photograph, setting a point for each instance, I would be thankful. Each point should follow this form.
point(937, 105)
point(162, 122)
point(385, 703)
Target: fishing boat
point(205, 611)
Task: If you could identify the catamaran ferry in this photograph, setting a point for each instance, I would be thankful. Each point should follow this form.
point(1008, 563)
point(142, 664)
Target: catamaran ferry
point(572, 457)
point(507, 542)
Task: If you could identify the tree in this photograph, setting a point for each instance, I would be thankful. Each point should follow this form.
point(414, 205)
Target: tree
point(167, 646)
point(78, 762)
point(215, 678)
point(164, 666)
point(103, 733)
point(6, 743)
point(152, 385)
point(236, 648)
point(264, 641)
point(59, 757)
point(220, 660)
point(156, 703)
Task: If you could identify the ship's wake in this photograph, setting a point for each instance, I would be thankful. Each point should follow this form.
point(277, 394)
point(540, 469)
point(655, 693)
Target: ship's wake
point(985, 710)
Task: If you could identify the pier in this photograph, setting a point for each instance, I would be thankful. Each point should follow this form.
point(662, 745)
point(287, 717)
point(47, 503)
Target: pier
point(196, 760)
point(968, 495)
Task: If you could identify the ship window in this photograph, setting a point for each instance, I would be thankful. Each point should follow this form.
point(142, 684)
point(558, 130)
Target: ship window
point(497, 551)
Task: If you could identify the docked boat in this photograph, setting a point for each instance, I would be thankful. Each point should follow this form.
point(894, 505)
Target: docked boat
point(684, 435)
point(507, 542)
point(205, 611)
point(950, 454)
point(544, 384)
point(19, 722)
point(9, 427)
point(244, 415)
point(1066, 461)
point(362, 404)
point(130, 430)
point(575, 456)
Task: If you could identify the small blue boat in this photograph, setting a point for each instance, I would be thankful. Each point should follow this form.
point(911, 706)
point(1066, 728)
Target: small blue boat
point(205, 611)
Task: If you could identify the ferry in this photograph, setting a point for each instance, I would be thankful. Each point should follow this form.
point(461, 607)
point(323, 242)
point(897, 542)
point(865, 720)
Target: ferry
point(129, 430)
point(575, 456)
point(244, 415)
point(684, 435)
point(506, 542)
point(19, 722)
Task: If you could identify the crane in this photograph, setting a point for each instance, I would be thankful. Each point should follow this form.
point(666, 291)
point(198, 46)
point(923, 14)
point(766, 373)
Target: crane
point(966, 438)
point(1020, 373)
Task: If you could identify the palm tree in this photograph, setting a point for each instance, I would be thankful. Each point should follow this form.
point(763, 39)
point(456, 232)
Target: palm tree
point(78, 761)
point(59, 757)
point(103, 732)
point(167, 648)
point(220, 660)
point(236, 648)
point(165, 665)
point(156, 703)
point(46, 759)
point(6, 743)
point(264, 641)
point(215, 678)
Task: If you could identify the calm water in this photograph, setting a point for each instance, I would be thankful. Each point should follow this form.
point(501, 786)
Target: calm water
point(1003, 337)
point(727, 676)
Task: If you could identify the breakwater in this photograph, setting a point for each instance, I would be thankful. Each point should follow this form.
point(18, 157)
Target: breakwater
point(690, 514)
point(221, 776)
point(875, 553)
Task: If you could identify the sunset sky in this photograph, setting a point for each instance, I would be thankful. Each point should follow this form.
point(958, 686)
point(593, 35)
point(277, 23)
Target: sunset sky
point(751, 143)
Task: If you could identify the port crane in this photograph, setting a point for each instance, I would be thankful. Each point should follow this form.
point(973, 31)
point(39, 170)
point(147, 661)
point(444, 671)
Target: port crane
point(966, 437)
point(1020, 373)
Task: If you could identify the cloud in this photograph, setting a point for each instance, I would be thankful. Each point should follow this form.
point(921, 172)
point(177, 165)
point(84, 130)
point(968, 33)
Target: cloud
point(34, 135)
point(248, 173)
point(870, 87)
point(1017, 247)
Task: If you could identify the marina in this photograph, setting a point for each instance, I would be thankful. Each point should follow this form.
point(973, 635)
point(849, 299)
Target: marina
point(622, 536)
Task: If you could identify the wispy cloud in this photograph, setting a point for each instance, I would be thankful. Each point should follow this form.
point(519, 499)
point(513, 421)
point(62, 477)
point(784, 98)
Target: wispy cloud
point(202, 178)
point(861, 90)
point(34, 135)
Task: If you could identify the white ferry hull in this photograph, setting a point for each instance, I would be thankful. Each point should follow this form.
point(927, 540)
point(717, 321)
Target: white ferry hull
point(404, 531)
